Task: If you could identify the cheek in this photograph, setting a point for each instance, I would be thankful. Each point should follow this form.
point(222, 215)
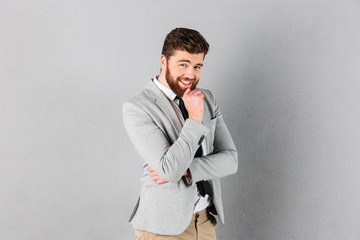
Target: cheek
point(197, 75)
point(180, 73)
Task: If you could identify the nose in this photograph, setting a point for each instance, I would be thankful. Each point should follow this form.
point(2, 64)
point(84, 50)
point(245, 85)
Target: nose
point(190, 73)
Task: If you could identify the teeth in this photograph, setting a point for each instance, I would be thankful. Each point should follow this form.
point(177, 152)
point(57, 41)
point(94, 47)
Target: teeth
point(185, 82)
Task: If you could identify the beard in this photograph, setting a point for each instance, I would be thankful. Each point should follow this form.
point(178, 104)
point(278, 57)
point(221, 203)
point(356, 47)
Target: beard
point(174, 83)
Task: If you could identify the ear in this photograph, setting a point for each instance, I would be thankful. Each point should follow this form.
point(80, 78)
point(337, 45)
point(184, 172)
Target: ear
point(163, 62)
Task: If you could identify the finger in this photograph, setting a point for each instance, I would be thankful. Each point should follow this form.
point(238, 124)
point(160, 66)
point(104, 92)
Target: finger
point(155, 178)
point(187, 91)
point(150, 169)
point(153, 174)
point(161, 181)
point(194, 93)
point(197, 92)
point(158, 178)
point(191, 92)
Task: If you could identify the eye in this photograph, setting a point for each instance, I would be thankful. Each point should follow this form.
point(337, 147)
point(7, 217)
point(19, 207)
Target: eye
point(197, 67)
point(183, 65)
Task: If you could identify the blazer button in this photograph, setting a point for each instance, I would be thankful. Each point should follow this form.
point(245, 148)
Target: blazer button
point(201, 139)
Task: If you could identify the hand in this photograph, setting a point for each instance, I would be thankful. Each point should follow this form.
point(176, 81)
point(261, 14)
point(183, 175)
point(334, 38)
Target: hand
point(194, 104)
point(155, 177)
point(160, 180)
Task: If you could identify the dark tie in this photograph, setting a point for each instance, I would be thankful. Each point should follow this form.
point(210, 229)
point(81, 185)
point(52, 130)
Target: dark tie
point(203, 186)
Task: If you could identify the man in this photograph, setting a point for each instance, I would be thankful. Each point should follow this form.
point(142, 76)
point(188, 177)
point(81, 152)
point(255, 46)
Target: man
point(184, 143)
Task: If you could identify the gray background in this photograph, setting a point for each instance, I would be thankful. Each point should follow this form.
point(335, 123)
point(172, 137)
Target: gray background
point(285, 73)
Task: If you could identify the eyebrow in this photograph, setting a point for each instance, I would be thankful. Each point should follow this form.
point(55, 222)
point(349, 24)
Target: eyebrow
point(188, 61)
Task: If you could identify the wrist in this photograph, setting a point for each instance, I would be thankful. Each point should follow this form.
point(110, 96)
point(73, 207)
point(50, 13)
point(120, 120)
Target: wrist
point(196, 118)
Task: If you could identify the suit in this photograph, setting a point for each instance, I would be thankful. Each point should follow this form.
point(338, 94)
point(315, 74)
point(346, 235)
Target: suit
point(168, 147)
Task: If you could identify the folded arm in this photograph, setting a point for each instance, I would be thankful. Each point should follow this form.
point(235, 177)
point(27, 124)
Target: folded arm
point(169, 161)
point(222, 162)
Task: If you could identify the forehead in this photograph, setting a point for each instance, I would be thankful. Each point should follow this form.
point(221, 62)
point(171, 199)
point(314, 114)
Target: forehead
point(195, 58)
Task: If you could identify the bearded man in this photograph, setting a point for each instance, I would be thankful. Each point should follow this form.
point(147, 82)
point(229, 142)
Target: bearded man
point(184, 143)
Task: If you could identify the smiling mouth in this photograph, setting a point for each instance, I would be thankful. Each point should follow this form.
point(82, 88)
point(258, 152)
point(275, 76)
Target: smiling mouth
point(186, 83)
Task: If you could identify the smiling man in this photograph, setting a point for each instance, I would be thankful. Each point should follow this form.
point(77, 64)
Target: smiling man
point(185, 145)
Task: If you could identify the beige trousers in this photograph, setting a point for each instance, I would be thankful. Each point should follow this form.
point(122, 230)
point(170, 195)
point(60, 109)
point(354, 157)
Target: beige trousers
point(200, 228)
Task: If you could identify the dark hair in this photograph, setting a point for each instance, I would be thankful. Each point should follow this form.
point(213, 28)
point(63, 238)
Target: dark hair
point(184, 39)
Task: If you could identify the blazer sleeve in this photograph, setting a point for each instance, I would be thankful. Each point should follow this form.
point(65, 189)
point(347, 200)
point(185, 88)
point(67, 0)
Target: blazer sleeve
point(169, 161)
point(223, 161)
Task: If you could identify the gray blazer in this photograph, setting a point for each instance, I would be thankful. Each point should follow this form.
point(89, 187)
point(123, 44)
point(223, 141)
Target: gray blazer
point(169, 148)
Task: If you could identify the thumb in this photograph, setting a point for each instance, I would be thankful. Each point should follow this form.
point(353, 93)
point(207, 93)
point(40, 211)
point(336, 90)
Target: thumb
point(187, 91)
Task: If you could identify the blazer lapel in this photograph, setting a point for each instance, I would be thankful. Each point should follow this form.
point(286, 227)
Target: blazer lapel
point(163, 103)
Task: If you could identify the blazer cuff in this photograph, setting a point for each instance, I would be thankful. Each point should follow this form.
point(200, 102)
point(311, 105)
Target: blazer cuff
point(198, 130)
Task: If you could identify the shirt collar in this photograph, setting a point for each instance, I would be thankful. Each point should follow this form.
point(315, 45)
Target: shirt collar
point(169, 94)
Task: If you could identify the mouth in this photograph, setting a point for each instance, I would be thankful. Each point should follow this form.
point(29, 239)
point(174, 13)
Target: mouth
point(185, 83)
